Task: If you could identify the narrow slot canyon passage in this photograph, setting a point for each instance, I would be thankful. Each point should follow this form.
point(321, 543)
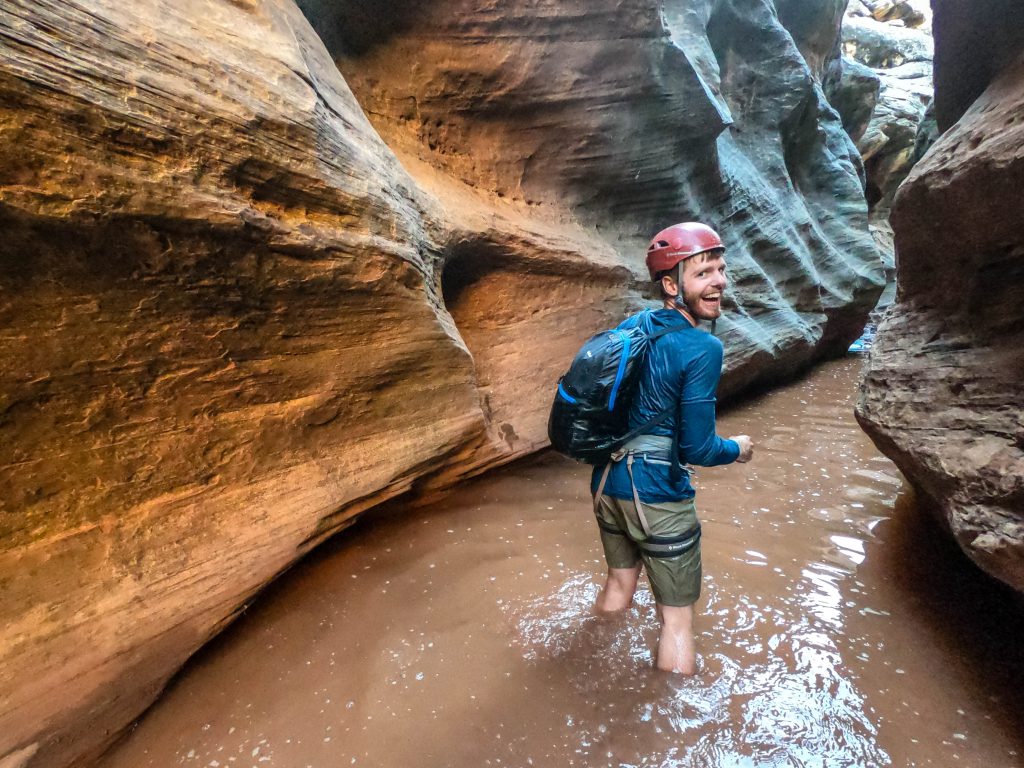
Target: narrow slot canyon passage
point(281, 280)
point(838, 627)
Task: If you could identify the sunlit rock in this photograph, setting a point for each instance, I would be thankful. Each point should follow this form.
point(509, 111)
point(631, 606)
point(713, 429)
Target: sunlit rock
point(944, 392)
point(243, 302)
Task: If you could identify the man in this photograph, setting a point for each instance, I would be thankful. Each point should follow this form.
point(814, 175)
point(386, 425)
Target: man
point(644, 503)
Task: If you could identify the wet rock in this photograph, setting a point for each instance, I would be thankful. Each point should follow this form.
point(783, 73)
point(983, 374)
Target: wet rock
point(237, 312)
point(944, 391)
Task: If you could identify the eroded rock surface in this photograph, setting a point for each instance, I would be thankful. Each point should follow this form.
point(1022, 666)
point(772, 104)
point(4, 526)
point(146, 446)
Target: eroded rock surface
point(236, 312)
point(944, 392)
point(883, 94)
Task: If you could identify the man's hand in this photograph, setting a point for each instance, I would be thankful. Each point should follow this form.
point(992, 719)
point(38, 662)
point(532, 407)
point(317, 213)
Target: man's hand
point(746, 448)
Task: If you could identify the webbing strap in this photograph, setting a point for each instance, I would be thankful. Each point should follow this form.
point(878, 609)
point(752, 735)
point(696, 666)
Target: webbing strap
point(676, 327)
point(600, 486)
point(672, 548)
point(636, 497)
point(645, 426)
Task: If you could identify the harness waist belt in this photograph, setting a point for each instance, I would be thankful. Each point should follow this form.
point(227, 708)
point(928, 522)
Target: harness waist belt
point(652, 448)
point(656, 445)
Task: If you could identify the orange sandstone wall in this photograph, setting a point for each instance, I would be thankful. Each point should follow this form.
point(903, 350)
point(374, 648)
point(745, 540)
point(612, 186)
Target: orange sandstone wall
point(244, 296)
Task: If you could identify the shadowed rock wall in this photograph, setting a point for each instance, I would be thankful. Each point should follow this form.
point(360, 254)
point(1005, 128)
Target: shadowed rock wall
point(944, 393)
point(236, 312)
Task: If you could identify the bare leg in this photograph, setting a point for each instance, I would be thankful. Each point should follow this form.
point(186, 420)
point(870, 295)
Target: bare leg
point(677, 649)
point(617, 594)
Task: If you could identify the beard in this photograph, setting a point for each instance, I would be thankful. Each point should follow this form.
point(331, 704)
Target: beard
point(700, 308)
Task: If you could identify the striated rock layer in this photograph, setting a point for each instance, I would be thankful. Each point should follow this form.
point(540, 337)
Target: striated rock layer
point(234, 317)
point(633, 114)
point(884, 95)
point(944, 392)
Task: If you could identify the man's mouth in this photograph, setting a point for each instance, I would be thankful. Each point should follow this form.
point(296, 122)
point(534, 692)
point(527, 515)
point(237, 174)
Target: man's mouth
point(712, 298)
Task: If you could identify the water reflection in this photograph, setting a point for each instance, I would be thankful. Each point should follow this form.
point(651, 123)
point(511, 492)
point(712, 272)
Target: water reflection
point(775, 692)
point(462, 635)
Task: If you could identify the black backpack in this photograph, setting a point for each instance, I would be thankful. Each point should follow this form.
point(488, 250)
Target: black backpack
point(590, 415)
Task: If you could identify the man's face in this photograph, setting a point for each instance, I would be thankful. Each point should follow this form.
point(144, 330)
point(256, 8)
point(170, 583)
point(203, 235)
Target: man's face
point(704, 283)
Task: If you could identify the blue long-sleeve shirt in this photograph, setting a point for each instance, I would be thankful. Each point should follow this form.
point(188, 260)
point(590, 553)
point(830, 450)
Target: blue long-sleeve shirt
point(685, 366)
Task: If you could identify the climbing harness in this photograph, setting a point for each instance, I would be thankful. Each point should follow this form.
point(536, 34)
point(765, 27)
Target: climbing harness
point(648, 448)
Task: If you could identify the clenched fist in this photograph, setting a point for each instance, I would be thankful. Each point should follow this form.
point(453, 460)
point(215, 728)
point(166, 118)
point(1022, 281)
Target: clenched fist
point(746, 448)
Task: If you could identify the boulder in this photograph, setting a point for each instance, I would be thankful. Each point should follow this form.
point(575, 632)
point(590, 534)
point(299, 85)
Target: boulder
point(943, 395)
point(247, 297)
point(880, 45)
point(854, 96)
point(905, 13)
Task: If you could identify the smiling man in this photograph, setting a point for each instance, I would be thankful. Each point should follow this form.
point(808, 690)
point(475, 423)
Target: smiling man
point(643, 499)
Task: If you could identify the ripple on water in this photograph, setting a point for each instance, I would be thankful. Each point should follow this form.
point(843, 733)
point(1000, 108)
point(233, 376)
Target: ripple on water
point(784, 701)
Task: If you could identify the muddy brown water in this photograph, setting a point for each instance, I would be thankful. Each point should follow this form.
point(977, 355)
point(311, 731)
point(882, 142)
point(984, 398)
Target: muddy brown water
point(837, 628)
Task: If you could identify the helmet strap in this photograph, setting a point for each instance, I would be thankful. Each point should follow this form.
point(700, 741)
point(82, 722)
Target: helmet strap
point(680, 298)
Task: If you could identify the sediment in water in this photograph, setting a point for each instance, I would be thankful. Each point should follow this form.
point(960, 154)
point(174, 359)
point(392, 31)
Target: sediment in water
point(836, 627)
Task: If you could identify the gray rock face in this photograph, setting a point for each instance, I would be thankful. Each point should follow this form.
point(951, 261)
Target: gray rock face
point(854, 96)
point(883, 94)
point(944, 392)
point(246, 297)
point(884, 46)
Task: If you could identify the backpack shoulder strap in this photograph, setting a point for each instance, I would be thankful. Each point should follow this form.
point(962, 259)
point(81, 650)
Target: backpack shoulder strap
point(670, 329)
point(646, 425)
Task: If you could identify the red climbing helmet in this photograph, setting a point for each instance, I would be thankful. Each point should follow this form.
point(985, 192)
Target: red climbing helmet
point(679, 242)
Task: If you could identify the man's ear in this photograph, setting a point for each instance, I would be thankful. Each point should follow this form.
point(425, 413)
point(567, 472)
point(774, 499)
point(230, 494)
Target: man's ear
point(669, 286)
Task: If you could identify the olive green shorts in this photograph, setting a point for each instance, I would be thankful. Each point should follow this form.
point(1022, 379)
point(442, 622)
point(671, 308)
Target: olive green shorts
point(676, 578)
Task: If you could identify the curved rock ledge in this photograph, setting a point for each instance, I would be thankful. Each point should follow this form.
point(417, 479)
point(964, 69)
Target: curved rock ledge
point(234, 317)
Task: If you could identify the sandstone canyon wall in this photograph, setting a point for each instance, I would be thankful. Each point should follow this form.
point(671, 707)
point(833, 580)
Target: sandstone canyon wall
point(244, 297)
point(883, 91)
point(944, 392)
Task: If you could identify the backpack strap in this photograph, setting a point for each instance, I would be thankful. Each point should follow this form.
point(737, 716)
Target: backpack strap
point(670, 329)
point(645, 426)
point(600, 485)
point(676, 470)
